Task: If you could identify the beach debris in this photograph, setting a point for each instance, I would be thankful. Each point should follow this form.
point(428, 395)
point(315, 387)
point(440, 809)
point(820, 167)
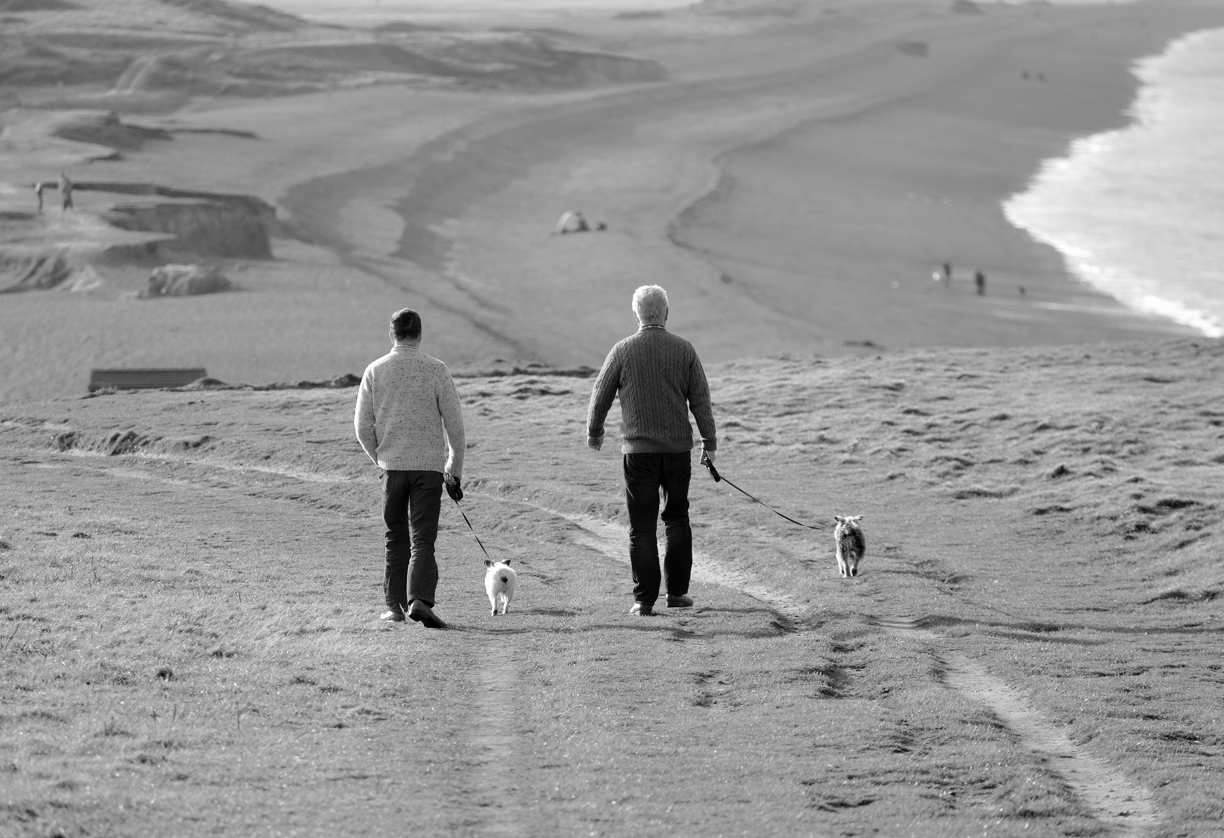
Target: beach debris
point(185, 281)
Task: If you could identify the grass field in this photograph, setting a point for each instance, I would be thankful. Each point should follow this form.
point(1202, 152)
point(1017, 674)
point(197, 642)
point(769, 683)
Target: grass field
point(190, 583)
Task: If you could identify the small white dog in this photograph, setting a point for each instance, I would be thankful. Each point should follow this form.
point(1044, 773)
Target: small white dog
point(851, 543)
point(500, 582)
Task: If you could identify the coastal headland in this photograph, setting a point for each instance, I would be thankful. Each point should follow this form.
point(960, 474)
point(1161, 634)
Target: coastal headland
point(190, 577)
point(794, 174)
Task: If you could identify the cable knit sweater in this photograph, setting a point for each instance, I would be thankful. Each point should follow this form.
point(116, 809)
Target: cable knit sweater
point(408, 416)
point(659, 379)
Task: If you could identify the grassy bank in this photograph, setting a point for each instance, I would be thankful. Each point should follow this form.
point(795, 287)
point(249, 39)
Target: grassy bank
point(190, 582)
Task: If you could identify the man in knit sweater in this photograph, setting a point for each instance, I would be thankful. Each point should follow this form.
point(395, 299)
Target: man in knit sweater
point(659, 379)
point(409, 422)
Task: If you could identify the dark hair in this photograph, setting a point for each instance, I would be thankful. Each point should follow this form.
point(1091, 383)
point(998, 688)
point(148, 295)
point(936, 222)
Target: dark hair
point(406, 324)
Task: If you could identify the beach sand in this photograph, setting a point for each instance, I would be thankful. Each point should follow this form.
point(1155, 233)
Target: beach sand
point(793, 184)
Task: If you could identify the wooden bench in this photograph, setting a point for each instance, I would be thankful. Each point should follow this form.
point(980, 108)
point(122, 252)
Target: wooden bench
point(149, 379)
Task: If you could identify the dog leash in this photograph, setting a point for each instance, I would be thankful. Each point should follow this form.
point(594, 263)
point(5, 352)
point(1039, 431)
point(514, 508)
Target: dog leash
point(473, 529)
point(720, 479)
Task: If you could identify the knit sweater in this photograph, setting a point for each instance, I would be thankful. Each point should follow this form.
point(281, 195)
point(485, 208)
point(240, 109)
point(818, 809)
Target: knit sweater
point(659, 379)
point(408, 416)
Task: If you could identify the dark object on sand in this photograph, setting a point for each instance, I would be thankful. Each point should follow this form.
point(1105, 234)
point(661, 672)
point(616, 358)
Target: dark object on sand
point(185, 281)
point(575, 222)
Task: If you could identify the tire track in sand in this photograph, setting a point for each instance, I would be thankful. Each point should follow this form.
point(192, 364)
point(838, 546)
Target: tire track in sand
point(492, 736)
point(1113, 799)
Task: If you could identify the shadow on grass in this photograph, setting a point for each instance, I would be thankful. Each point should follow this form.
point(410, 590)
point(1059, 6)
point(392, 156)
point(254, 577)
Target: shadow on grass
point(1031, 630)
point(775, 625)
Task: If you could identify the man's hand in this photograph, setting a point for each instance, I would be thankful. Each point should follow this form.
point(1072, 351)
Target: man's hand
point(707, 457)
point(707, 460)
point(452, 487)
point(594, 442)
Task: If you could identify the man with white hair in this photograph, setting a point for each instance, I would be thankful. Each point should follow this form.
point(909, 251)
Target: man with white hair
point(659, 379)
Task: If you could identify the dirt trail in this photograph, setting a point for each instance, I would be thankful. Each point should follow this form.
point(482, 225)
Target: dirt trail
point(492, 732)
point(1112, 798)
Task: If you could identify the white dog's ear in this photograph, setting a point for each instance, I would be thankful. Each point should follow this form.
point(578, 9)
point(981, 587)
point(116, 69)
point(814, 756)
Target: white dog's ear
point(507, 562)
point(488, 563)
point(839, 519)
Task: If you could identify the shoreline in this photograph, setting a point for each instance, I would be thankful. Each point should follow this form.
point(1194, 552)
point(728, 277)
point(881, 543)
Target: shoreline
point(1078, 312)
point(1142, 133)
point(486, 241)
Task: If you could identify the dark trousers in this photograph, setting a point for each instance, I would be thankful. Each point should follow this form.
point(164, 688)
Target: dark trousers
point(647, 476)
point(412, 501)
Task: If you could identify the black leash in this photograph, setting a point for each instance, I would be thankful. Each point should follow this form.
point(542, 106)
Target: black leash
point(720, 479)
point(473, 529)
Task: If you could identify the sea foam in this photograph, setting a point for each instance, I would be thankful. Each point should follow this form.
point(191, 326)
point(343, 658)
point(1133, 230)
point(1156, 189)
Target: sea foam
point(1139, 213)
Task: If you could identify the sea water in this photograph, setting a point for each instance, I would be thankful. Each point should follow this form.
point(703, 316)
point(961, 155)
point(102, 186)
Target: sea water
point(1138, 213)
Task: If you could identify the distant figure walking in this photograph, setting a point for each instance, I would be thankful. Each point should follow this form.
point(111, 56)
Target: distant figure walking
point(38, 190)
point(947, 274)
point(979, 280)
point(65, 187)
point(659, 380)
point(409, 422)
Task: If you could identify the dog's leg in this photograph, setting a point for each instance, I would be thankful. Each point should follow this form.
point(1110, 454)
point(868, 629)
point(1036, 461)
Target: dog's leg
point(841, 562)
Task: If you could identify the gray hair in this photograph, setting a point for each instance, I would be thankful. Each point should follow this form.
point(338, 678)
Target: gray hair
point(650, 305)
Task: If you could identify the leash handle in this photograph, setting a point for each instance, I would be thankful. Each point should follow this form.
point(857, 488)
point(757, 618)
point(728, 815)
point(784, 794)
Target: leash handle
point(710, 468)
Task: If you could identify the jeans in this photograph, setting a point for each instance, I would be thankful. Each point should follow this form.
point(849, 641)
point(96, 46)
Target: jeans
point(412, 501)
point(646, 477)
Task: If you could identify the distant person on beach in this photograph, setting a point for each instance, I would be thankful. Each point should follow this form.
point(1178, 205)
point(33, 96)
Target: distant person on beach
point(659, 380)
point(65, 187)
point(38, 190)
point(979, 280)
point(409, 422)
point(947, 274)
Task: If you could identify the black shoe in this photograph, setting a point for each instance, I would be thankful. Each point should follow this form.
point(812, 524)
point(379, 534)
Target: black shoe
point(392, 615)
point(641, 609)
point(423, 614)
point(679, 601)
